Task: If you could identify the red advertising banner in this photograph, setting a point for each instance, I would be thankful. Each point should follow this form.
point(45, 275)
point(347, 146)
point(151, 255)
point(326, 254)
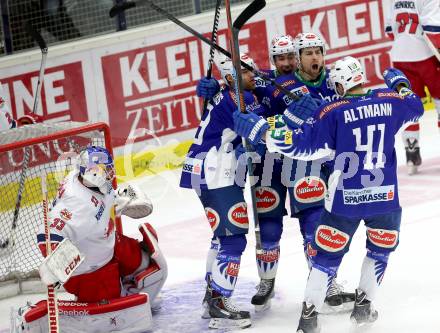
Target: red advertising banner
point(63, 95)
point(154, 87)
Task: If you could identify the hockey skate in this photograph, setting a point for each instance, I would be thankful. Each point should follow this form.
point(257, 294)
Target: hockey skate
point(225, 315)
point(308, 322)
point(363, 312)
point(265, 292)
point(413, 158)
point(337, 300)
point(205, 302)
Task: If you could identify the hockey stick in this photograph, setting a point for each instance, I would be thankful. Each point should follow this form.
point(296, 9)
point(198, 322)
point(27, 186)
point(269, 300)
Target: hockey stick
point(432, 47)
point(27, 152)
point(118, 8)
point(234, 29)
point(52, 306)
point(211, 50)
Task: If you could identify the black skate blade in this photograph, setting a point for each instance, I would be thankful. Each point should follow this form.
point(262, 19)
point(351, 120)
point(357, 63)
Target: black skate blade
point(229, 324)
point(339, 309)
point(263, 307)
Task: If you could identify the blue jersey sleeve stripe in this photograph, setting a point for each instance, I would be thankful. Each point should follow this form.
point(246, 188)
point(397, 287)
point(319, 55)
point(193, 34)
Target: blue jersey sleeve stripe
point(41, 238)
point(431, 28)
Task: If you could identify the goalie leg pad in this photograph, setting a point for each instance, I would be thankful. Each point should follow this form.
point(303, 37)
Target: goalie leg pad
point(128, 254)
point(152, 278)
point(102, 284)
point(125, 314)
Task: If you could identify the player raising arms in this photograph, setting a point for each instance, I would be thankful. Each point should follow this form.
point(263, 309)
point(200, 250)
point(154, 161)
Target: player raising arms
point(114, 265)
point(357, 134)
point(209, 169)
point(415, 25)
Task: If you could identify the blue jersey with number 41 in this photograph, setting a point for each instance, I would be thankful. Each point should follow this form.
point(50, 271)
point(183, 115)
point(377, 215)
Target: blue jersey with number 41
point(357, 134)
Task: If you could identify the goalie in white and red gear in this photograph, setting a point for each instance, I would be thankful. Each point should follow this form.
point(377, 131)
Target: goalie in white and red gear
point(114, 265)
point(414, 25)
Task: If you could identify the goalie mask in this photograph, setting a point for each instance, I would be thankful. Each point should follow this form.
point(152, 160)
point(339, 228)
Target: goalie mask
point(348, 72)
point(281, 44)
point(96, 168)
point(226, 65)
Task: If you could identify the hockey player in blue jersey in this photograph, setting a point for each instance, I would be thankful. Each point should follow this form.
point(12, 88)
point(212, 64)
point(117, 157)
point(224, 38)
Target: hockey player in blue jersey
point(210, 169)
point(308, 178)
point(357, 133)
point(271, 195)
point(307, 190)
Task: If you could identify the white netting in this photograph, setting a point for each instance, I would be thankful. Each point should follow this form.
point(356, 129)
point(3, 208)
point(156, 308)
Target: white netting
point(51, 149)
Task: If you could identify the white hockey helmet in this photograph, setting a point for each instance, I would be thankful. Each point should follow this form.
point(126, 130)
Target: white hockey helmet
point(227, 67)
point(307, 39)
point(96, 168)
point(348, 72)
point(281, 44)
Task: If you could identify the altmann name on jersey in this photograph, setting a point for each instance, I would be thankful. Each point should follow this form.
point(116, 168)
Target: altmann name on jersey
point(368, 111)
point(192, 165)
point(368, 195)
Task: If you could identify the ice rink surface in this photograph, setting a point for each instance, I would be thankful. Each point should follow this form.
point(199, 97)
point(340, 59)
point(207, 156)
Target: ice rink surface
point(409, 295)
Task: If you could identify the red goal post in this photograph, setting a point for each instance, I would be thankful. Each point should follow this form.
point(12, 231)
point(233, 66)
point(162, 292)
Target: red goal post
point(51, 149)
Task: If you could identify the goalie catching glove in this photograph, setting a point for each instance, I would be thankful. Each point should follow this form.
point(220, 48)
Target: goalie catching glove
point(132, 202)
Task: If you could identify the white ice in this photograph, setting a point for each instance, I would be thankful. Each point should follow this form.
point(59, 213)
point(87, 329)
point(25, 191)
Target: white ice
point(407, 301)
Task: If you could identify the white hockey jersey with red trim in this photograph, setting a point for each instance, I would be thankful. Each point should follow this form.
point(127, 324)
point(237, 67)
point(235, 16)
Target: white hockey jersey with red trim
point(85, 217)
point(407, 21)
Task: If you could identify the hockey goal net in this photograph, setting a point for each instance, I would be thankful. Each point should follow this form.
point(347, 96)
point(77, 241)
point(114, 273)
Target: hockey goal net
point(26, 153)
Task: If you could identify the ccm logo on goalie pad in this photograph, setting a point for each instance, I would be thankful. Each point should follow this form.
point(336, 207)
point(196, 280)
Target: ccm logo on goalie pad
point(331, 239)
point(309, 189)
point(213, 218)
point(238, 216)
point(72, 265)
point(267, 199)
point(383, 238)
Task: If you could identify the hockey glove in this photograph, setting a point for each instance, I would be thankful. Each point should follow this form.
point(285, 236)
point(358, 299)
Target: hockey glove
point(207, 88)
point(394, 77)
point(298, 112)
point(250, 126)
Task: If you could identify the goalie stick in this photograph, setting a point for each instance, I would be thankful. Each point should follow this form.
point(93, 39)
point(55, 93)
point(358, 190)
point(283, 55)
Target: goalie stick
point(211, 50)
point(9, 241)
point(120, 7)
point(234, 29)
point(52, 306)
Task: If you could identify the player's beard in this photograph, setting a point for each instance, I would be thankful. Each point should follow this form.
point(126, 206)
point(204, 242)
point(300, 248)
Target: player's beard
point(285, 70)
point(313, 71)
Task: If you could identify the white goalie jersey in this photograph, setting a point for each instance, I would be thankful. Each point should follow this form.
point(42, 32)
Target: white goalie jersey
point(86, 218)
point(409, 22)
